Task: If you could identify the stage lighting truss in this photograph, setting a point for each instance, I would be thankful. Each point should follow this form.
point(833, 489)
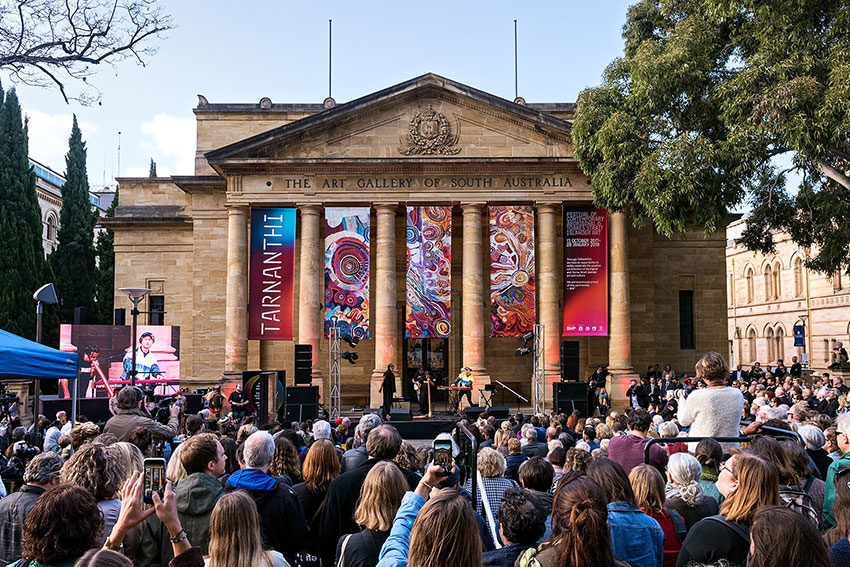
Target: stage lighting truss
point(333, 365)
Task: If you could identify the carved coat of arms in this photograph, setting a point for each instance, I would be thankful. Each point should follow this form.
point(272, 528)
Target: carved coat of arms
point(430, 133)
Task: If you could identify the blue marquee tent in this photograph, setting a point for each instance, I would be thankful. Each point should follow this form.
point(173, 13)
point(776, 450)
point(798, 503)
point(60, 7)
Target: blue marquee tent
point(22, 358)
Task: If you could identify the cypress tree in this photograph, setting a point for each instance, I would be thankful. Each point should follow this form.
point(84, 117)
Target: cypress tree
point(23, 268)
point(152, 172)
point(73, 260)
point(106, 270)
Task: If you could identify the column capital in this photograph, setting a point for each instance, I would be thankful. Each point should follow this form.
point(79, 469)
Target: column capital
point(385, 207)
point(547, 207)
point(476, 206)
point(236, 209)
point(309, 208)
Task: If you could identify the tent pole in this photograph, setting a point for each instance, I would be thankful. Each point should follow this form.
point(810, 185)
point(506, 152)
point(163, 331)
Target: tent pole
point(39, 310)
point(74, 399)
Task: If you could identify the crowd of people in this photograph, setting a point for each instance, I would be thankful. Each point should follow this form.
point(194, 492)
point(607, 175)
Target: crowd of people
point(648, 486)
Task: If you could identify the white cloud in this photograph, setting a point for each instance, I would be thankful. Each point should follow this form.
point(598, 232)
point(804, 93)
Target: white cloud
point(172, 146)
point(48, 136)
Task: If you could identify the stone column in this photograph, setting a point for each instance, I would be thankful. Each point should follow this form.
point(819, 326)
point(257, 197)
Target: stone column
point(620, 339)
point(385, 331)
point(473, 295)
point(311, 284)
point(548, 304)
point(236, 306)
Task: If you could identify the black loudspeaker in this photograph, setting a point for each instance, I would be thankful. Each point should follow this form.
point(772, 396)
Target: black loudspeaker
point(400, 414)
point(95, 409)
point(302, 395)
point(79, 315)
point(120, 315)
point(303, 364)
point(301, 412)
point(194, 403)
point(569, 396)
point(499, 412)
point(376, 411)
point(473, 412)
point(569, 360)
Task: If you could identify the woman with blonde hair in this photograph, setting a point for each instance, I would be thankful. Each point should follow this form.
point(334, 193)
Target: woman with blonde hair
point(492, 466)
point(174, 471)
point(648, 487)
point(321, 466)
point(379, 500)
point(131, 456)
point(235, 535)
point(500, 441)
point(444, 528)
point(748, 482)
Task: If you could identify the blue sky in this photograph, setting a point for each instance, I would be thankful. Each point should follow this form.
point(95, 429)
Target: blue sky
point(243, 51)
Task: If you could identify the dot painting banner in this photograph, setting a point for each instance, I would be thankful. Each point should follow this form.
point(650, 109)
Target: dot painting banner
point(347, 270)
point(429, 280)
point(271, 285)
point(512, 309)
point(585, 272)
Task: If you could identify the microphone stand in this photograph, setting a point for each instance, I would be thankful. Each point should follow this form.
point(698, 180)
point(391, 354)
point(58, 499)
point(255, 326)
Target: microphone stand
point(514, 393)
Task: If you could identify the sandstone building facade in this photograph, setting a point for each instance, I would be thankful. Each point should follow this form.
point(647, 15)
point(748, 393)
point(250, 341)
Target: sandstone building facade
point(186, 237)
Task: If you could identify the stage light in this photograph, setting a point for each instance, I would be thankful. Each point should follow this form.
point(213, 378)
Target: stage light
point(351, 340)
point(523, 340)
point(523, 351)
point(349, 356)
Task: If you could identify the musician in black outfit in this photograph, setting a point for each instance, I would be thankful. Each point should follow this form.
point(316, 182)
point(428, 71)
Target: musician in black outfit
point(388, 389)
point(421, 383)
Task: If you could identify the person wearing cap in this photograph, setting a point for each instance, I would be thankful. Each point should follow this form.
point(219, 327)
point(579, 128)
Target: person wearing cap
point(146, 363)
point(840, 356)
point(131, 415)
point(463, 380)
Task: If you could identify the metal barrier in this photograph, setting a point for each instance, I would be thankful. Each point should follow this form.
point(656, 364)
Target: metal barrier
point(782, 434)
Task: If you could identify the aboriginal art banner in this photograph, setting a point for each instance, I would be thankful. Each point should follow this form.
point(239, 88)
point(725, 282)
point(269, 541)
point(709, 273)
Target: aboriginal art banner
point(272, 283)
point(347, 270)
point(429, 279)
point(511, 271)
point(585, 272)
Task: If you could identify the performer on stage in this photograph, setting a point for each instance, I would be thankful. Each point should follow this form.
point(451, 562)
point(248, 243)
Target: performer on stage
point(238, 402)
point(146, 363)
point(422, 383)
point(388, 389)
point(464, 380)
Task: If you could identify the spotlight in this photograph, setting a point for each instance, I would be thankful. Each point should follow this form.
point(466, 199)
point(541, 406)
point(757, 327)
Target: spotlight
point(525, 338)
point(523, 351)
point(351, 340)
point(349, 356)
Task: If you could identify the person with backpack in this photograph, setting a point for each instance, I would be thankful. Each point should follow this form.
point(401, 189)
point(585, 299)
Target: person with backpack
point(747, 481)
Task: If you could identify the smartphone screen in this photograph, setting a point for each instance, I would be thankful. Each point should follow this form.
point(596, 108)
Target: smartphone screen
point(154, 477)
point(443, 453)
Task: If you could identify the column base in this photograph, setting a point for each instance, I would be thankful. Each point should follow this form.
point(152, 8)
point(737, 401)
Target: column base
point(617, 383)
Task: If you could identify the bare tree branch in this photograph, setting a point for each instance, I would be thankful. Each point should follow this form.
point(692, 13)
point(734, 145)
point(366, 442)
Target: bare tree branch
point(52, 43)
point(834, 173)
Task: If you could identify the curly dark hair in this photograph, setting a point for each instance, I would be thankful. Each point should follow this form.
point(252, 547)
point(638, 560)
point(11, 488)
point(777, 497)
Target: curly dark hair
point(520, 518)
point(639, 419)
point(64, 523)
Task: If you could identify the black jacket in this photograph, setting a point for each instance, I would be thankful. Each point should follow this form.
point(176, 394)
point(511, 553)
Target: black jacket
point(337, 517)
point(642, 396)
point(282, 524)
point(361, 550)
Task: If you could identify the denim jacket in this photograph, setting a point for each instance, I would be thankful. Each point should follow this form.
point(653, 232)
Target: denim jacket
point(635, 537)
point(395, 549)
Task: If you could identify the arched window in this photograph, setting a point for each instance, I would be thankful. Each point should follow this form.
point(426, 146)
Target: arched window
point(777, 280)
point(751, 344)
point(768, 284)
point(750, 289)
point(780, 343)
point(798, 277)
point(51, 227)
point(771, 345)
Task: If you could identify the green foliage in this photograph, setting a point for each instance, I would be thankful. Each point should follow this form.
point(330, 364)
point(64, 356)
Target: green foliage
point(689, 122)
point(106, 270)
point(73, 260)
point(153, 169)
point(23, 268)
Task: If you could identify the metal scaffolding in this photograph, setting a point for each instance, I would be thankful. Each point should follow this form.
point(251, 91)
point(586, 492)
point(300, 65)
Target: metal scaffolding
point(538, 386)
point(334, 337)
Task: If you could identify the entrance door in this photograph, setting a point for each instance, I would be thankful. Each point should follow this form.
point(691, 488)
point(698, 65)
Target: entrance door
point(428, 354)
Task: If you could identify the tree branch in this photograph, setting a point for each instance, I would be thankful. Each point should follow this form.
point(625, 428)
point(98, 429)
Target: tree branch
point(834, 173)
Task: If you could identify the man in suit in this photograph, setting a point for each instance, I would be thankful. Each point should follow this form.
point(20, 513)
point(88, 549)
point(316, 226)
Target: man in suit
point(533, 447)
point(796, 368)
point(596, 381)
point(740, 374)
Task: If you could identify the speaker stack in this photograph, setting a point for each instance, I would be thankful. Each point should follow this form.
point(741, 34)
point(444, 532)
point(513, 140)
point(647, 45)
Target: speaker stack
point(569, 360)
point(302, 403)
point(570, 396)
point(303, 364)
point(400, 414)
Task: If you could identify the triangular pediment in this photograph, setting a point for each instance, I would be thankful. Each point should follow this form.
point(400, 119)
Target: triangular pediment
point(428, 117)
